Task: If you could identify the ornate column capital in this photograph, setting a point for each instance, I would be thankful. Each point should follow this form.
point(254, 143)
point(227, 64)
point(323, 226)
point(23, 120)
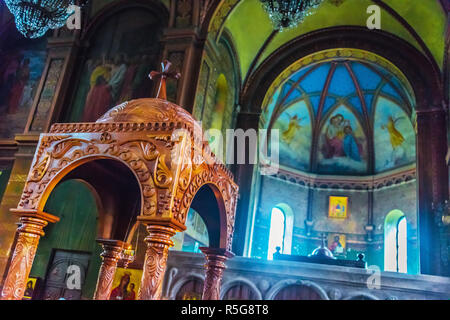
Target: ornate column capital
point(112, 253)
point(31, 225)
point(215, 266)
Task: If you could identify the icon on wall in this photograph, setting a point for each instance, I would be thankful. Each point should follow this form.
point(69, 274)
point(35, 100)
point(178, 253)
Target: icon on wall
point(337, 244)
point(338, 208)
point(30, 288)
point(126, 284)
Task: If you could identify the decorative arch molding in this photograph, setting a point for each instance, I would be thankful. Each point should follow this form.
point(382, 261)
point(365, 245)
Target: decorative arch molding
point(423, 74)
point(227, 40)
point(368, 183)
point(58, 155)
point(236, 281)
point(276, 288)
point(115, 7)
point(182, 280)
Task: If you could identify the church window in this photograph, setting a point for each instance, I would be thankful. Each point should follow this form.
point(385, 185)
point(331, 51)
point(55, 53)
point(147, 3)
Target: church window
point(281, 227)
point(395, 242)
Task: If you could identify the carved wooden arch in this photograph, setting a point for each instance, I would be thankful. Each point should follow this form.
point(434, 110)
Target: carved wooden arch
point(163, 146)
point(57, 155)
point(226, 200)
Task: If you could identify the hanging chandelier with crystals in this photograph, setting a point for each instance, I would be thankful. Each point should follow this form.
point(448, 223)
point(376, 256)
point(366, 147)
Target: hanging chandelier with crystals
point(287, 14)
point(35, 17)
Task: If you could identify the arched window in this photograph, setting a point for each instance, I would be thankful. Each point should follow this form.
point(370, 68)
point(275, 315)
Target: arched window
point(281, 227)
point(395, 242)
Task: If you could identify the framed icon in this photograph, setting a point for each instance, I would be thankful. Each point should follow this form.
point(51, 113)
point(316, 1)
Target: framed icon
point(126, 284)
point(31, 288)
point(338, 207)
point(337, 243)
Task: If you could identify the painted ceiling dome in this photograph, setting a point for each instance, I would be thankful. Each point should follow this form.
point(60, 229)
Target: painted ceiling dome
point(342, 112)
point(148, 110)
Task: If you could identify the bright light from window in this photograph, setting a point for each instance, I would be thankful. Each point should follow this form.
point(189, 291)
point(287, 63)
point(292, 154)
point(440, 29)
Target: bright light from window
point(395, 243)
point(277, 229)
point(402, 243)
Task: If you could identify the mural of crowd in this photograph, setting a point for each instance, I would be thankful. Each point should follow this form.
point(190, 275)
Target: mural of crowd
point(115, 80)
point(116, 69)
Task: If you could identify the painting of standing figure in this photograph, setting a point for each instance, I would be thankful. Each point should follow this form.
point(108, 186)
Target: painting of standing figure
point(295, 131)
point(342, 144)
point(117, 65)
point(20, 74)
point(394, 137)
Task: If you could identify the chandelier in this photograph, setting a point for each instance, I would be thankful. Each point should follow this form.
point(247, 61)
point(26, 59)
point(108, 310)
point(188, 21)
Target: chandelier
point(34, 17)
point(287, 14)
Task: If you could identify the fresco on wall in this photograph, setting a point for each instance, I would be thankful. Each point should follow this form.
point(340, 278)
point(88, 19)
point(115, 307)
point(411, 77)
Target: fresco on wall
point(342, 144)
point(20, 72)
point(116, 70)
point(294, 125)
point(394, 137)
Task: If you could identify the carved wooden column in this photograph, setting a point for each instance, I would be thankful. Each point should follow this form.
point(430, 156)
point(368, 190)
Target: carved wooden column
point(158, 243)
point(28, 234)
point(215, 266)
point(112, 252)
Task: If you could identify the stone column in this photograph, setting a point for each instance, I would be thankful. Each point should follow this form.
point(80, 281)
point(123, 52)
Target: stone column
point(112, 252)
point(432, 183)
point(215, 266)
point(158, 243)
point(30, 230)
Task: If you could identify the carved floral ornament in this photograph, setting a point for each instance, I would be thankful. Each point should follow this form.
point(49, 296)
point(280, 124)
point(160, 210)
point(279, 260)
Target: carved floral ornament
point(169, 168)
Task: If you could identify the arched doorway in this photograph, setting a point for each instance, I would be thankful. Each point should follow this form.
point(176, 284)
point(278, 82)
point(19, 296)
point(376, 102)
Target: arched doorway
point(297, 292)
point(192, 289)
point(241, 290)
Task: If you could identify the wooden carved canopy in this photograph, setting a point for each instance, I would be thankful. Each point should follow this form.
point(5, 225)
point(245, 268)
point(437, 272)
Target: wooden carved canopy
point(170, 164)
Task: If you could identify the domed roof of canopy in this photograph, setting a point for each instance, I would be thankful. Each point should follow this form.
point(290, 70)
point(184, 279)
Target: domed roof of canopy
point(147, 110)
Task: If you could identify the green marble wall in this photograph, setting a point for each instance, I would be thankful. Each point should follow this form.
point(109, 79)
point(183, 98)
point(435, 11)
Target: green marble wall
point(75, 205)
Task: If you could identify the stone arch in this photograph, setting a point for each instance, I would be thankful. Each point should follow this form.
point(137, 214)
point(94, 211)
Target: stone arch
point(276, 288)
point(181, 281)
point(397, 51)
point(116, 7)
point(230, 284)
point(425, 78)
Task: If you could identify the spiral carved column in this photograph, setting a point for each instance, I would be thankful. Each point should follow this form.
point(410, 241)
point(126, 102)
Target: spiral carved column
point(112, 252)
point(215, 266)
point(158, 243)
point(28, 234)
